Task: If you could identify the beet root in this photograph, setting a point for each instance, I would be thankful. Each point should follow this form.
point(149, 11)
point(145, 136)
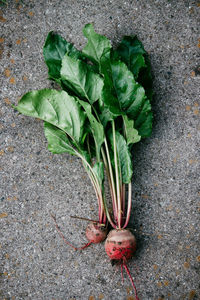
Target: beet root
point(96, 233)
point(120, 244)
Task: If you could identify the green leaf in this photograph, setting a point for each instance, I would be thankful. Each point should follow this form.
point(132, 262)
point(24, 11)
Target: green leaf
point(110, 101)
point(145, 78)
point(58, 141)
point(55, 48)
point(123, 96)
point(131, 51)
point(119, 88)
point(137, 103)
point(83, 81)
point(98, 170)
point(56, 108)
point(97, 45)
point(108, 95)
point(124, 84)
point(143, 123)
point(124, 157)
point(96, 128)
point(131, 133)
point(105, 116)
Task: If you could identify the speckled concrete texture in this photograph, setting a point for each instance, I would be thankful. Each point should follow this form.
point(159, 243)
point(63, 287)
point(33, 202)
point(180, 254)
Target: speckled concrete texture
point(35, 263)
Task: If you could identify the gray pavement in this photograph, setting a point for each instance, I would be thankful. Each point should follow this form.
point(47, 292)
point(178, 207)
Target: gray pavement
point(35, 263)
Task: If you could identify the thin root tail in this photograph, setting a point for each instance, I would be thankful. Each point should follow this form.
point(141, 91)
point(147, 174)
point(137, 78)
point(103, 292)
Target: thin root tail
point(64, 239)
point(131, 279)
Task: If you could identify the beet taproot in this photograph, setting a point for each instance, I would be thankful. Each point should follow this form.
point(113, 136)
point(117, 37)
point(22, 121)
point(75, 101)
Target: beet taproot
point(96, 233)
point(120, 244)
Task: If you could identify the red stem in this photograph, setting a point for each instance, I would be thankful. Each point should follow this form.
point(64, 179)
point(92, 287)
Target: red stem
point(128, 272)
point(123, 200)
point(111, 191)
point(99, 208)
point(97, 195)
point(84, 219)
point(113, 201)
point(128, 206)
point(64, 239)
point(104, 218)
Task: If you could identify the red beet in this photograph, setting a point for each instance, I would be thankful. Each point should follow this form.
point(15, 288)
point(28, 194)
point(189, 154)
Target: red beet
point(96, 233)
point(120, 244)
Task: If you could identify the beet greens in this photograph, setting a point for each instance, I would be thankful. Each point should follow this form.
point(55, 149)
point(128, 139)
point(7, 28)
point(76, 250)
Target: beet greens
point(102, 109)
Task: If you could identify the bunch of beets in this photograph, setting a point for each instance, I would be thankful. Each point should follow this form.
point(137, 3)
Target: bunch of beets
point(100, 110)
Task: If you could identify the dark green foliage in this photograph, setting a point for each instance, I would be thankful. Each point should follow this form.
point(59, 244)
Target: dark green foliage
point(132, 53)
point(100, 86)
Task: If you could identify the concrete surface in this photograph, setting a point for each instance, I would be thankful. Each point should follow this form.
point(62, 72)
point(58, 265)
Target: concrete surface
point(35, 263)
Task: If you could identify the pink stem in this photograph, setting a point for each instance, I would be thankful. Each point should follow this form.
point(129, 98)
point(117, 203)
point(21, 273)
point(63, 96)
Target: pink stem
point(128, 272)
point(97, 195)
point(102, 210)
point(129, 206)
point(104, 218)
point(123, 199)
point(64, 239)
point(113, 202)
point(99, 207)
point(112, 223)
point(111, 191)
